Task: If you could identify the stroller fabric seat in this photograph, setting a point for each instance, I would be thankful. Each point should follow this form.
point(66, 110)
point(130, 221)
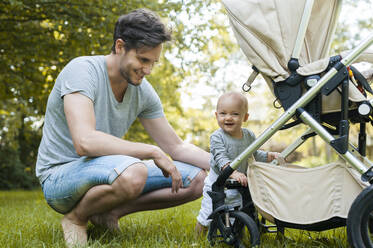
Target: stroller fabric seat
point(302, 195)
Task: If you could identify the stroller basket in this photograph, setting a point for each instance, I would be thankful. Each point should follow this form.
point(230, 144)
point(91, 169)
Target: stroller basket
point(304, 196)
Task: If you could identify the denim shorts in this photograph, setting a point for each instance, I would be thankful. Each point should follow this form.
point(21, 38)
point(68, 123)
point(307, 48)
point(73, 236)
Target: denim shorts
point(69, 182)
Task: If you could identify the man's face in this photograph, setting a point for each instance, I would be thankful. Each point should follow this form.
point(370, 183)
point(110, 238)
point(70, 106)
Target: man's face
point(136, 63)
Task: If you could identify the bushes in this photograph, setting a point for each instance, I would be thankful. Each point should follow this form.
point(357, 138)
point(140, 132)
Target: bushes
point(13, 173)
point(18, 158)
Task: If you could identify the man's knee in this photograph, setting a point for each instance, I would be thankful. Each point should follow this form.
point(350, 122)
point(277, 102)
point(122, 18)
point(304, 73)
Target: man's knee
point(131, 181)
point(197, 184)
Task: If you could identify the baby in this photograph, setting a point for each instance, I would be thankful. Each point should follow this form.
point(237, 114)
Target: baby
point(225, 145)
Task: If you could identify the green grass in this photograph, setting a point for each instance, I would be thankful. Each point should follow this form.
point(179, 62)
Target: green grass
point(27, 221)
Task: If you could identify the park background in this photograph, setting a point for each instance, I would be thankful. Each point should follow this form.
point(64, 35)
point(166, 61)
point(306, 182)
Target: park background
point(39, 37)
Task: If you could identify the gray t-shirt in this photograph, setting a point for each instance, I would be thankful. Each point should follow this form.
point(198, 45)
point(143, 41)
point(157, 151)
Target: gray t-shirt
point(88, 75)
point(225, 148)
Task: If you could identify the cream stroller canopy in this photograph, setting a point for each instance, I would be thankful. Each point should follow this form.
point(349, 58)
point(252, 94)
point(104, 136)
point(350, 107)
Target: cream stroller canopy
point(267, 33)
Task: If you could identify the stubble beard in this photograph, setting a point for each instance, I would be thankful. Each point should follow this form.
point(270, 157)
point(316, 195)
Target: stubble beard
point(126, 77)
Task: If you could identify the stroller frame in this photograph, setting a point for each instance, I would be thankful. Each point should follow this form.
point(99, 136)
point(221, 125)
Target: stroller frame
point(306, 98)
point(359, 219)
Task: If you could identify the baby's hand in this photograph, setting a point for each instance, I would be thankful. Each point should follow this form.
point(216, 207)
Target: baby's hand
point(275, 155)
point(239, 177)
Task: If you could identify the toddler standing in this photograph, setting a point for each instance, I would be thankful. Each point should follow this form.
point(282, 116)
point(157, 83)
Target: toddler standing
point(226, 144)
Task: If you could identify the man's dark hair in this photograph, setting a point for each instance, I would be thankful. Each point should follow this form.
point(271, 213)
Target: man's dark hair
point(140, 28)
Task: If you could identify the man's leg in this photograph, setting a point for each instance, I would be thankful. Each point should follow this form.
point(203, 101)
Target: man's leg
point(158, 199)
point(103, 198)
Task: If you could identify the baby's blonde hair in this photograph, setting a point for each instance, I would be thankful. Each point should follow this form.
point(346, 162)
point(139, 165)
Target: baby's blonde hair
point(236, 95)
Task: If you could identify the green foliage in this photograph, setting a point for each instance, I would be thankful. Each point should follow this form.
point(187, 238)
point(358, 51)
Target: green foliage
point(198, 127)
point(13, 173)
point(40, 37)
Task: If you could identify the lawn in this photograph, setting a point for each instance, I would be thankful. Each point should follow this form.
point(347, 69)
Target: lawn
point(27, 221)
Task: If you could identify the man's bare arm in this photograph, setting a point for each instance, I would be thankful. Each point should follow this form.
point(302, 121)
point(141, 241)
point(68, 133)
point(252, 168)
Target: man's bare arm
point(88, 141)
point(164, 135)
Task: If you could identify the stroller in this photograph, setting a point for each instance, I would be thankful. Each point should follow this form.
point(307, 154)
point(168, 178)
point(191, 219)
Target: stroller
point(287, 42)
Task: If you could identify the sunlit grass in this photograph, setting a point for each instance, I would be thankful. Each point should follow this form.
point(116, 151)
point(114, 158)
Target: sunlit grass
point(27, 221)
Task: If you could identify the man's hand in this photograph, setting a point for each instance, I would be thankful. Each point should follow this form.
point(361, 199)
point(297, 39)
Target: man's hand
point(239, 177)
point(167, 139)
point(177, 182)
point(168, 169)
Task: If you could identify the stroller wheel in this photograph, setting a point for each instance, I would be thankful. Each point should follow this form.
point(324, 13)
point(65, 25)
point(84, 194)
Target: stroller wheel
point(241, 230)
point(245, 230)
point(360, 220)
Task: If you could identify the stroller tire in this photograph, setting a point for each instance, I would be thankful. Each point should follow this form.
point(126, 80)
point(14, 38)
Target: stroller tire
point(360, 219)
point(243, 231)
point(244, 226)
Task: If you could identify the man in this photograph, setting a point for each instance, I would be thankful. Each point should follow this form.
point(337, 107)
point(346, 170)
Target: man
point(86, 170)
